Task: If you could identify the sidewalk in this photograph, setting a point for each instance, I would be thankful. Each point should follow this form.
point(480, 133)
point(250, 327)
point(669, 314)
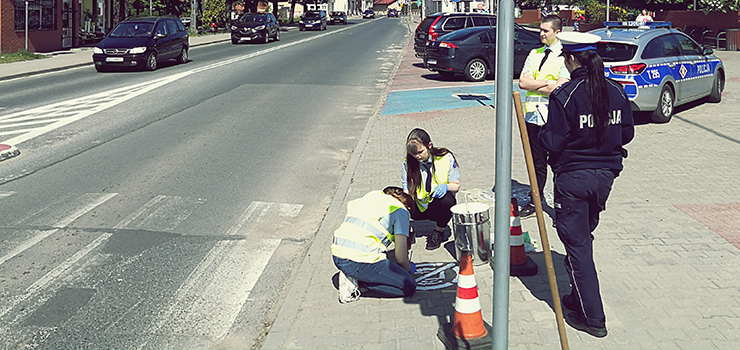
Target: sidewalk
point(668, 270)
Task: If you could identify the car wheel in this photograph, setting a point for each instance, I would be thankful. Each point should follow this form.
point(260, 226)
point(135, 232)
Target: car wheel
point(101, 69)
point(445, 74)
point(476, 70)
point(300, 29)
point(277, 35)
point(234, 41)
point(151, 61)
point(183, 56)
point(664, 111)
point(718, 85)
point(267, 37)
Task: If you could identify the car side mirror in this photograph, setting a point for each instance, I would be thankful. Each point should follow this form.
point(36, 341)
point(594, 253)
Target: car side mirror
point(708, 51)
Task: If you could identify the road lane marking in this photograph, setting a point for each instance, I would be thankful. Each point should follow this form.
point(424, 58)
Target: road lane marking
point(56, 115)
point(44, 281)
point(214, 293)
point(57, 226)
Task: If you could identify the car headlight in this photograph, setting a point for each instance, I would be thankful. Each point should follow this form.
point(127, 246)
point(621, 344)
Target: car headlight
point(138, 50)
point(317, 22)
point(234, 28)
point(301, 21)
point(97, 50)
point(260, 28)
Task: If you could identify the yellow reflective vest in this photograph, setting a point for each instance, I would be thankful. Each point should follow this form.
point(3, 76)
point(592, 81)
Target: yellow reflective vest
point(361, 238)
point(440, 176)
point(535, 102)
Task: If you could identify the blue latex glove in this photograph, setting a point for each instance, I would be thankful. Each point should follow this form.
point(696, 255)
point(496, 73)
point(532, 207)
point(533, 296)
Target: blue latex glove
point(413, 267)
point(440, 191)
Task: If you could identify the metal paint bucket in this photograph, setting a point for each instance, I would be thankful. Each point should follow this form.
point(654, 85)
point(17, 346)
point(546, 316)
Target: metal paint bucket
point(472, 230)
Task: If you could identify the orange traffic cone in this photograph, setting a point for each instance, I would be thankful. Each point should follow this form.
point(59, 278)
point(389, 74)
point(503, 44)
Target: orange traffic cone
point(467, 331)
point(468, 322)
point(521, 264)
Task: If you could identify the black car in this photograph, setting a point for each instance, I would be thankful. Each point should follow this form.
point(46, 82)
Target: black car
point(313, 20)
point(369, 13)
point(438, 24)
point(472, 51)
point(338, 17)
point(142, 42)
point(255, 27)
point(392, 13)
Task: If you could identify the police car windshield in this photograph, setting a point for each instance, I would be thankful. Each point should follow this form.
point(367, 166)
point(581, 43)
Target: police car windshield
point(615, 52)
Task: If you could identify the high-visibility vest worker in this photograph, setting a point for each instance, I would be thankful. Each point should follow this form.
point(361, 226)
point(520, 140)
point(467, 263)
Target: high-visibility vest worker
point(439, 176)
point(361, 237)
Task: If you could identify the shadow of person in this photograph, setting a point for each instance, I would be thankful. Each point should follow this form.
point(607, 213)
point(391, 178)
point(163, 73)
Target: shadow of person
point(539, 284)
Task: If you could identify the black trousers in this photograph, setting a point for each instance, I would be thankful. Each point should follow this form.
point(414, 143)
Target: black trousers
point(438, 210)
point(580, 196)
point(539, 157)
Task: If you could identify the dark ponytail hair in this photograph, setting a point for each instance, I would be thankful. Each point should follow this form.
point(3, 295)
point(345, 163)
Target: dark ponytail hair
point(597, 89)
point(419, 138)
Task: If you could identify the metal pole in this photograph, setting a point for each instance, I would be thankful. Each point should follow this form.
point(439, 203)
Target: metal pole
point(607, 10)
point(26, 25)
point(501, 246)
point(150, 8)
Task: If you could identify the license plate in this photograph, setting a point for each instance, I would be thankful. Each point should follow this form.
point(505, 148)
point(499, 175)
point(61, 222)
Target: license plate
point(309, 25)
point(431, 61)
point(247, 38)
point(114, 59)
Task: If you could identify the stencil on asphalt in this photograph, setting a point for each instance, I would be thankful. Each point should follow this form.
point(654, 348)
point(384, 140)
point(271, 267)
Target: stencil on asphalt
point(22, 126)
point(436, 275)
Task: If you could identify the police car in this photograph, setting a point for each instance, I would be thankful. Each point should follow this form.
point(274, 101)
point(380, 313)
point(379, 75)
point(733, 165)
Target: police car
point(659, 67)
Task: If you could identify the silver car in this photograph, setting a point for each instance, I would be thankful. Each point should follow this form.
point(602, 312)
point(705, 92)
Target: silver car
point(659, 67)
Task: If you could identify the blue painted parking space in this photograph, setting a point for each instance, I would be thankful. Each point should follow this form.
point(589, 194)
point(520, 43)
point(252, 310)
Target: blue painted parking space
point(425, 100)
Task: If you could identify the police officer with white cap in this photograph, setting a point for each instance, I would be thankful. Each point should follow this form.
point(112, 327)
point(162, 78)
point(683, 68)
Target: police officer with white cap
point(590, 119)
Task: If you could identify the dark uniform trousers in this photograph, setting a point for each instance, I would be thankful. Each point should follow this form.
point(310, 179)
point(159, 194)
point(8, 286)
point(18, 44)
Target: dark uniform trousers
point(539, 158)
point(438, 210)
point(580, 196)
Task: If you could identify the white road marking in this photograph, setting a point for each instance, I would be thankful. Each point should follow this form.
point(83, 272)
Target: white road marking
point(211, 298)
point(44, 281)
point(59, 225)
point(56, 115)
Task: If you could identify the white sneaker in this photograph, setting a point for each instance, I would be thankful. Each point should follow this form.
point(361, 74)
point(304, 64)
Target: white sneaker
point(349, 290)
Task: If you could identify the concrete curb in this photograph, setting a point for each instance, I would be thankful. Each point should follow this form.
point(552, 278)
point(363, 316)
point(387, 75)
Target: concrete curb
point(8, 151)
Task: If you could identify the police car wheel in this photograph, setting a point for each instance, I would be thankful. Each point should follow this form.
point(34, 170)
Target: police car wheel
point(476, 70)
point(718, 85)
point(664, 110)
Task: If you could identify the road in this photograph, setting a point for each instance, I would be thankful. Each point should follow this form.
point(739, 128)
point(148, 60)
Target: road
point(169, 209)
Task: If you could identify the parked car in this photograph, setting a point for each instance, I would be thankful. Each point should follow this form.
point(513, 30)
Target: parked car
point(313, 20)
point(142, 42)
point(338, 17)
point(472, 52)
point(392, 13)
point(255, 27)
point(659, 67)
point(369, 13)
point(438, 24)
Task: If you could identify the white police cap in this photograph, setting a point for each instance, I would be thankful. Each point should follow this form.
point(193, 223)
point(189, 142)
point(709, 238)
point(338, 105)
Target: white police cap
point(575, 41)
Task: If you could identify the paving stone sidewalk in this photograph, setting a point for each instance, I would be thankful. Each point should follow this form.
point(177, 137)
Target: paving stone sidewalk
point(664, 248)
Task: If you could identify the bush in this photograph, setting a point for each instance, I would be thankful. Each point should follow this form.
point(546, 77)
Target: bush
point(596, 13)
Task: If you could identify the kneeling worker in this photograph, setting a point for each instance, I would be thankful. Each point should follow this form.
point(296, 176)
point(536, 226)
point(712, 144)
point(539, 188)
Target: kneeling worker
point(359, 248)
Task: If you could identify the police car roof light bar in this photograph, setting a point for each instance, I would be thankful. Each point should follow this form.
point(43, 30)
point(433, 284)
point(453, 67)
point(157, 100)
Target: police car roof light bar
point(633, 24)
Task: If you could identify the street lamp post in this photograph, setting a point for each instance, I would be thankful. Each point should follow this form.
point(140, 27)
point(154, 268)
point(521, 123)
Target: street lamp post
point(26, 25)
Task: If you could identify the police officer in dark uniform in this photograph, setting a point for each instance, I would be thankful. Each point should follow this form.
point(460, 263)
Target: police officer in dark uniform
point(590, 119)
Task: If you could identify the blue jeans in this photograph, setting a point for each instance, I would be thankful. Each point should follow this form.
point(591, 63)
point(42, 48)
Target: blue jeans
point(384, 277)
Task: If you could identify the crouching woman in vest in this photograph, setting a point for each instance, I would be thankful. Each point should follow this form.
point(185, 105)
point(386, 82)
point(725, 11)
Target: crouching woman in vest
point(371, 225)
point(430, 175)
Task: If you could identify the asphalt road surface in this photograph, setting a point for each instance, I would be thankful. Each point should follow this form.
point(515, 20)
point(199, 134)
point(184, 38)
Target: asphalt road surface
point(169, 209)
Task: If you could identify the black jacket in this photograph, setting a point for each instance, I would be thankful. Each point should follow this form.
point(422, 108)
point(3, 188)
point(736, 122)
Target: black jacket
point(569, 134)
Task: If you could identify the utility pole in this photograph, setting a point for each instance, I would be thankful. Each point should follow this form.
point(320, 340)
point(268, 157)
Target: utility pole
point(193, 17)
